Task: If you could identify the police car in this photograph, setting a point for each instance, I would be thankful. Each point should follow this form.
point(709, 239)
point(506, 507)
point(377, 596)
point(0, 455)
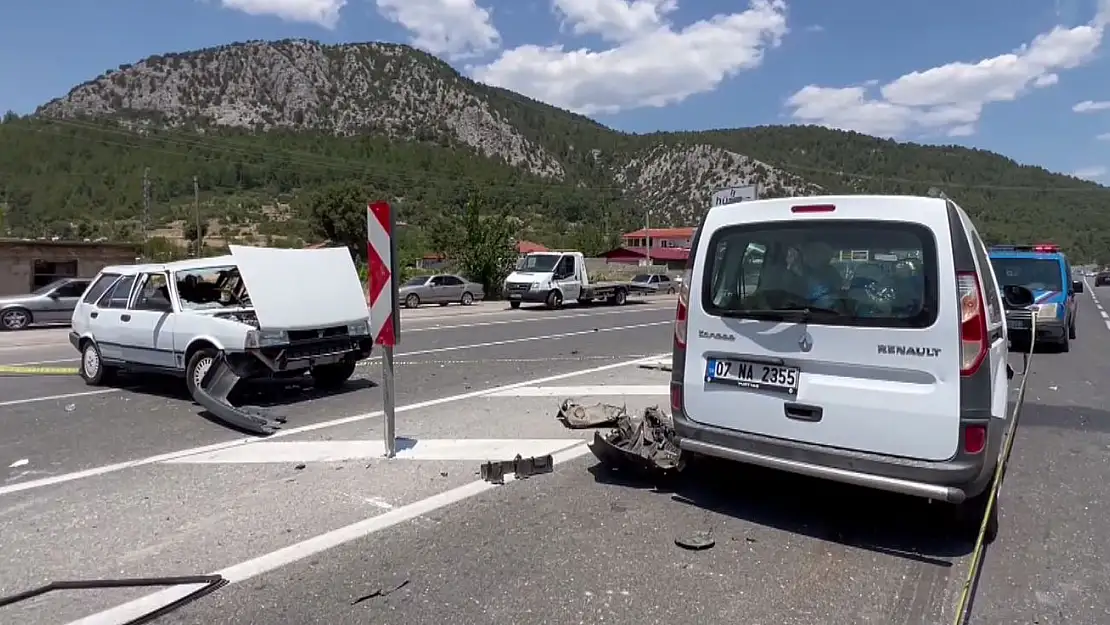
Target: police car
point(1044, 270)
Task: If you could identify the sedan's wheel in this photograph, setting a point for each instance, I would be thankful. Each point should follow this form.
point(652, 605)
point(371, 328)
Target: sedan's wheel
point(467, 299)
point(92, 369)
point(412, 301)
point(15, 319)
point(199, 364)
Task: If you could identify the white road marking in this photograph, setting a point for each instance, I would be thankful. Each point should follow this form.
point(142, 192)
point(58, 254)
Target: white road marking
point(438, 350)
point(476, 450)
point(266, 563)
point(404, 330)
point(580, 391)
point(312, 427)
point(19, 463)
point(32, 400)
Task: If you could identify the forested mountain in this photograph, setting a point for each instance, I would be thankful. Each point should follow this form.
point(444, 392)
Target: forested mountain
point(263, 124)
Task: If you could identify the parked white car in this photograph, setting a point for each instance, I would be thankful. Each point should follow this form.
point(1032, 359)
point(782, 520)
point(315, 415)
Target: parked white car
point(859, 339)
point(258, 312)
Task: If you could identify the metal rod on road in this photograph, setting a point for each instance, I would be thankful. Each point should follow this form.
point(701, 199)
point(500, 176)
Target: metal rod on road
point(390, 401)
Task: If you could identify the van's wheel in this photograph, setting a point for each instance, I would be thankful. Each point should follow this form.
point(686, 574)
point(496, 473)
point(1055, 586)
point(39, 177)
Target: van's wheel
point(412, 301)
point(200, 363)
point(1065, 345)
point(14, 319)
point(334, 376)
point(514, 305)
point(93, 370)
point(554, 300)
point(1071, 331)
point(467, 299)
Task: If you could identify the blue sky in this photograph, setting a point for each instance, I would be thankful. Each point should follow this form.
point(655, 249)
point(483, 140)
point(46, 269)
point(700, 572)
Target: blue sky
point(934, 71)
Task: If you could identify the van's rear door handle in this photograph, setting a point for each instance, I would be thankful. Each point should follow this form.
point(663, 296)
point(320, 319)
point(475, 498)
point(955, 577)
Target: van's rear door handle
point(125, 317)
point(94, 315)
point(803, 412)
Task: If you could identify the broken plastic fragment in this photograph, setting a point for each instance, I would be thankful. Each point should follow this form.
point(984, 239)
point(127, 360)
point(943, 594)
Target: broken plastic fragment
point(577, 417)
point(639, 442)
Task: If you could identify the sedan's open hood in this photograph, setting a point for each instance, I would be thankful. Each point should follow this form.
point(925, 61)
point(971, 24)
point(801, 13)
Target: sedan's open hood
point(301, 289)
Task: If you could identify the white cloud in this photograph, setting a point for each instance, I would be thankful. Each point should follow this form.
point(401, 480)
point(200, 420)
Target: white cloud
point(1090, 106)
point(455, 28)
point(614, 21)
point(652, 64)
point(1091, 173)
point(1104, 136)
point(950, 99)
point(324, 13)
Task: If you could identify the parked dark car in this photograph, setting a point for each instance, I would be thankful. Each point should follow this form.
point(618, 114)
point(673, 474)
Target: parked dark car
point(1102, 278)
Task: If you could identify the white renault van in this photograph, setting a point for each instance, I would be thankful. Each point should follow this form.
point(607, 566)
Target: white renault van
point(859, 339)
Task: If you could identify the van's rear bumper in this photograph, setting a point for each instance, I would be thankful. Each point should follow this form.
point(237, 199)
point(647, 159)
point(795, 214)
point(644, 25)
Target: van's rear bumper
point(951, 481)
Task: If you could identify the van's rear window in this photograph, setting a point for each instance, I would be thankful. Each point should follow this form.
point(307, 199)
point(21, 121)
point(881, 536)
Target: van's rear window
point(857, 273)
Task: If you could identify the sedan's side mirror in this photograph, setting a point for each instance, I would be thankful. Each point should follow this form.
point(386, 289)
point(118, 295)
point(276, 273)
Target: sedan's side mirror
point(1077, 286)
point(1017, 296)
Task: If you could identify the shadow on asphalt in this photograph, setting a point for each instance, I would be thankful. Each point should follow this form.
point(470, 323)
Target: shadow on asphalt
point(885, 523)
point(655, 299)
point(261, 393)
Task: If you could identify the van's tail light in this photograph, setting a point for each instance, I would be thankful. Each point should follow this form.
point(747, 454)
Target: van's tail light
point(682, 311)
point(975, 439)
point(973, 323)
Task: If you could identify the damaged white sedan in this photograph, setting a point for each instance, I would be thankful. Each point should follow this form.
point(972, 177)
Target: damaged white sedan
point(258, 312)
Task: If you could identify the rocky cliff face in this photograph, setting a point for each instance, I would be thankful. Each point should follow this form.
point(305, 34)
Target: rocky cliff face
point(397, 91)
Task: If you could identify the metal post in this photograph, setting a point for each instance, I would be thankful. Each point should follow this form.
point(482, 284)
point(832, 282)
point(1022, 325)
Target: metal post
point(146, 206)
point(196, 213)
point(647, 233)
point(390, 402)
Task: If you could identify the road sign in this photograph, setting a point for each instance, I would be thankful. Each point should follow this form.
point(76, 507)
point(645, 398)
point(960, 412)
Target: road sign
point(732, 195)
point(382, 274)
point(381, 257)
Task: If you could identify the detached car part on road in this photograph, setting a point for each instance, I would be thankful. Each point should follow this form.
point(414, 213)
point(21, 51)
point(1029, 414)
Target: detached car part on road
point(860, 339)
point(256, 313)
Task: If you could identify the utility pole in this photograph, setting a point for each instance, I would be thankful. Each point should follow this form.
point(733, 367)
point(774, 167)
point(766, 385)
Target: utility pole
point(647, 233)
point(146, 206)
point(196, 214)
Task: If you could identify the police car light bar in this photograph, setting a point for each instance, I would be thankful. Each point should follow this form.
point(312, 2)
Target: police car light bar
point(1041, 248)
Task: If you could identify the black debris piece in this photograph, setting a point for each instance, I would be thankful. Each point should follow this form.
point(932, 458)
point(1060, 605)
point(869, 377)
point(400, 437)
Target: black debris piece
point(523, 468)
point(578, 417)
point(644, 442)
point(381, 592)
point(696, 541)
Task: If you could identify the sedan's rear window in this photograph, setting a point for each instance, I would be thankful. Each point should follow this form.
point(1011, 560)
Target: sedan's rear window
point(857, 273)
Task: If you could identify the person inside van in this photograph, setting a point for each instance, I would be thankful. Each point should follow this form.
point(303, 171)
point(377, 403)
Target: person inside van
point(822, 282)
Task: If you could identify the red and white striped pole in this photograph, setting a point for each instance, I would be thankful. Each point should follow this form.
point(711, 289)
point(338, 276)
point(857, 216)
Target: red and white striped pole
point(385, 327)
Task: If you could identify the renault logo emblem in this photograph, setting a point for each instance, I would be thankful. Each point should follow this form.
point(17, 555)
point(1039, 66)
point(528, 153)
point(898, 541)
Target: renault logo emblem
point(806, 342)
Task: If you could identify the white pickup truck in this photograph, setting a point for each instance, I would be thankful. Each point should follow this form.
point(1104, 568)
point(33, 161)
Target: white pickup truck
point(552, 278)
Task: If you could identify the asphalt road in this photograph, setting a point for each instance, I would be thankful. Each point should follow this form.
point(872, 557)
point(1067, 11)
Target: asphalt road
point(60, 425)
point(309, 533)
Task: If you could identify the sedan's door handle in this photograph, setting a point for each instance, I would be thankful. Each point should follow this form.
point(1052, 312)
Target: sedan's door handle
point(125, 317)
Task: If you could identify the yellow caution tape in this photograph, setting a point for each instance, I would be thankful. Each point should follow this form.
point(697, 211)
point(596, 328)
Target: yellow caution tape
point(975, 567)
point(32, 370)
